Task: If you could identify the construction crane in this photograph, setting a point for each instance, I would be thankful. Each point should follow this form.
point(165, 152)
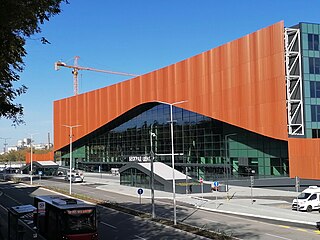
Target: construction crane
point(76, 69)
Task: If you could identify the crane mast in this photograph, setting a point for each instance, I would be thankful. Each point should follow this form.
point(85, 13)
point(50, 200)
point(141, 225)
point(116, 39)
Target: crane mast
point(75, 70)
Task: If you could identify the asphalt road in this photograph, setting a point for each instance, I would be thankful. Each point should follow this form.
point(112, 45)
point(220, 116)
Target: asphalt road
point(112, 224)
point(236, 226)
point(116, 225)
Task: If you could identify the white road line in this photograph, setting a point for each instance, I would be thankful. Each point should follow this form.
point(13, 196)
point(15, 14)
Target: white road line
point(211, 220)
point(275, 236)
point(13, 199)
point(140, 237)
point(108, 225)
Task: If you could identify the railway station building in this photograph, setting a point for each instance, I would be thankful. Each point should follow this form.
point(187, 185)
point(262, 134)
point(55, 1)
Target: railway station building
point(248, 107)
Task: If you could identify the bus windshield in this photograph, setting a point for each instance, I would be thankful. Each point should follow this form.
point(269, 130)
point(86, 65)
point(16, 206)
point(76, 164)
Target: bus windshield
point(79, 221)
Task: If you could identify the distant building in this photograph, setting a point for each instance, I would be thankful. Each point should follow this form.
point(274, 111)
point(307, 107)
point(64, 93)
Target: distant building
point(13, 148)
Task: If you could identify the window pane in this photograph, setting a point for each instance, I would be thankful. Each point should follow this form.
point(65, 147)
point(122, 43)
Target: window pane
point(314, 133)
point(310, 41)
point(311, 65)
point(318, 113)
point(317, 65)
point(316, 42)
point(312, 90)
point(317, 84)
point(313, 113)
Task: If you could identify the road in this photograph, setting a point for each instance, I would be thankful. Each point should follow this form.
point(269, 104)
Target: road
point(112, 224)
point(239, 227)
point(116, 225)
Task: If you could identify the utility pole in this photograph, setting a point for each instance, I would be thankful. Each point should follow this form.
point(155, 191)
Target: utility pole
point(5, 144)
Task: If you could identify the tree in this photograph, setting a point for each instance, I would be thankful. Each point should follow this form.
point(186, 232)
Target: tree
point(19, 20)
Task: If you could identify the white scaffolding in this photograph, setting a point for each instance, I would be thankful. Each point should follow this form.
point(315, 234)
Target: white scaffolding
point(294, 82)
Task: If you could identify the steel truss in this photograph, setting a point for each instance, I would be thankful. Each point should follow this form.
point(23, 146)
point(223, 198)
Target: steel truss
point(294, 82)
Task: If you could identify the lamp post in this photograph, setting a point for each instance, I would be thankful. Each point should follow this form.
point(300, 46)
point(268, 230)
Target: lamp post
point(152, 134)
point(226, 160)
point(70, 136)
point(172, 157)
point(31, 160)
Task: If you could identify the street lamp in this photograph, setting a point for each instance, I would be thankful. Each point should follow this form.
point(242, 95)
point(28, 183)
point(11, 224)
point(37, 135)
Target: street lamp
point(172, 156)
point(226, 156)
point(152, 134)
point(31, 161)
point(70, 136)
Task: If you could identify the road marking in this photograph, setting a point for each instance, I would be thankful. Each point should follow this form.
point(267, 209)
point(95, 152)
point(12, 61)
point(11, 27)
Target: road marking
point(283, 226)
point(210, 220)
point(317, 232)
point(13, 199)
point(108, 225)
point(302, 230)
point(140, 237)
point(276, 236)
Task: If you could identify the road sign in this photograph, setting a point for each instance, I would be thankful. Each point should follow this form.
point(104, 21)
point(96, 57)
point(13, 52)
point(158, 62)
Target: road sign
point(140, 191)
point(41, 208)
point(216, 184)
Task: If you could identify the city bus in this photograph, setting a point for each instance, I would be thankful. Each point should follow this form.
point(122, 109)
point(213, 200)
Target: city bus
point(59, 217)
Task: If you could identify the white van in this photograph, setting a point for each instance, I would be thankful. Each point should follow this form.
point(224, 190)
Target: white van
point(308, 200)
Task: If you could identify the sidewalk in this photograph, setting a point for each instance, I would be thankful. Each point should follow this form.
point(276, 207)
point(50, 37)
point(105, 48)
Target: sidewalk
point(265, 203)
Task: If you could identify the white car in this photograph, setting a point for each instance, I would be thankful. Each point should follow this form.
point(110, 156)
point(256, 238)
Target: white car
point(74, 178)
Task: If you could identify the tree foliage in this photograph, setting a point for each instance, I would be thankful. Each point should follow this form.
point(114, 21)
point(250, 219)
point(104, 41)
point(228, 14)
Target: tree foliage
point(19, 20)
point(20, 155)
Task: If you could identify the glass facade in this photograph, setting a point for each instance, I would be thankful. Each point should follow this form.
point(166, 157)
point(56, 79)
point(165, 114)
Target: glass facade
point(311, 77)
point(136, 178)
point(204, 147)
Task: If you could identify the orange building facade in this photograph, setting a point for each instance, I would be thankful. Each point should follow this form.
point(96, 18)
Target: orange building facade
point(236, 108)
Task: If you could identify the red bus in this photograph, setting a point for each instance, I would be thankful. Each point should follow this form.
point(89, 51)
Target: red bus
point(61, 218)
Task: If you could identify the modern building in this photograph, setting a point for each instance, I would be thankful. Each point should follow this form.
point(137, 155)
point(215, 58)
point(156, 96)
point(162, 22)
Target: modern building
point(248, 107)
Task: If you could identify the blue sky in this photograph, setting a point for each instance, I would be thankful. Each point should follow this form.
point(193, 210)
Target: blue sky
point(136, 37)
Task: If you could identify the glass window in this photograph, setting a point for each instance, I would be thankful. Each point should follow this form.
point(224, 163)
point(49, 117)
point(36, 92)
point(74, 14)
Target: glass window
point(311, 65)
point(314, 65)
point(317, 65)
point(315, 89)
point(316, 42)
point(312, 89)
point(315, 113)
point(310, 41)
point(315, 133)
point(313, 42)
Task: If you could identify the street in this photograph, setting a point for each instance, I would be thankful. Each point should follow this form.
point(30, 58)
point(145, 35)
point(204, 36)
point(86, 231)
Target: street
point(117, 225)
point(112, 224)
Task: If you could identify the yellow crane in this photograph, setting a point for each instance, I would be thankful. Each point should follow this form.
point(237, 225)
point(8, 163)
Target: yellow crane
point(76, 69)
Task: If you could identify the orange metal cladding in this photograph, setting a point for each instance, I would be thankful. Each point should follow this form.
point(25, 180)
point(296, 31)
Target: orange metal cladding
point(241, 83)
point(304, 155)
point(39, 157)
